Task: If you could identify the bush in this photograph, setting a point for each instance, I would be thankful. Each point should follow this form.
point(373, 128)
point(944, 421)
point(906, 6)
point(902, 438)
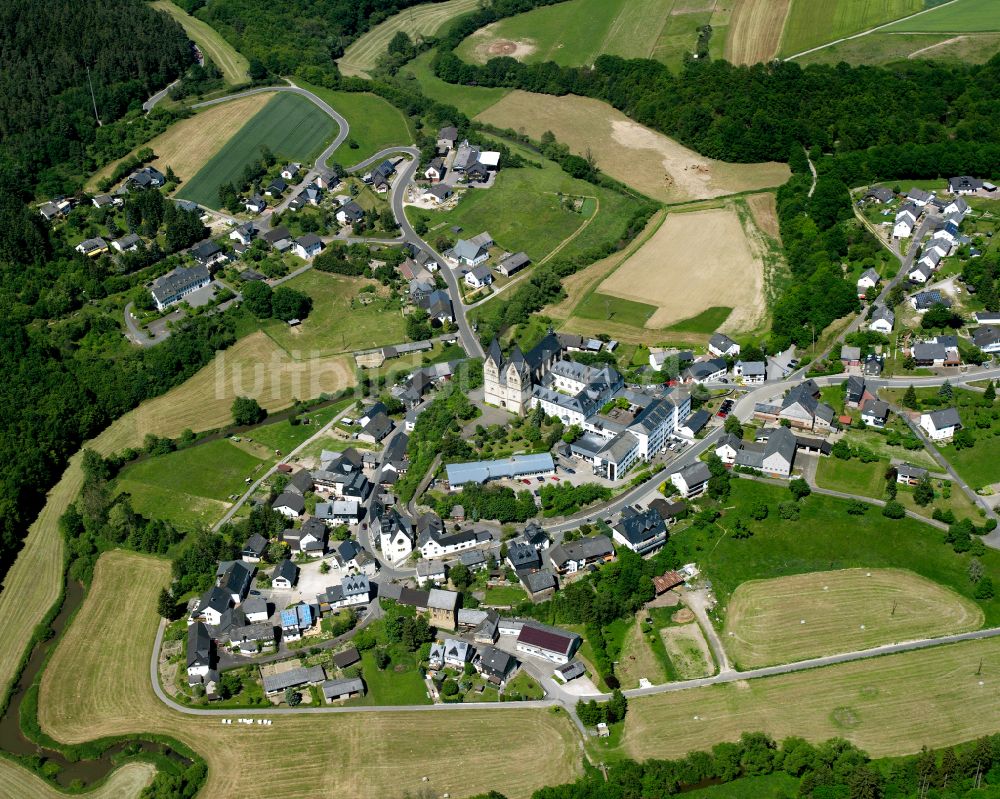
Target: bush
point(789, 511)
point(893, 510)
point(984, 589)
point(800, 488)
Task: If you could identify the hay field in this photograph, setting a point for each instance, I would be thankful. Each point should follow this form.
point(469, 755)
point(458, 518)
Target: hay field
point(965, 16)
point(627, 151)
point(843, 611)
point(126, 782)
point(755, 29)
point(888, 706)
point(187, 146)
point(764, 209)
point(233, 64)
point(811, 24)
point(688, 651)
point(93, 687)
point(695, 261)
point(417, 21)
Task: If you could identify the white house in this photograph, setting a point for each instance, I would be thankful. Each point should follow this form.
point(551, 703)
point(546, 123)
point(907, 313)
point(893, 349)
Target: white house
point(199, 652)
point(474, 251)
point(308, 246)
point(479, 276)
point(291, 171)
point(244, 233)
point(395, 536)
point(751, 372)
point(940, 425)
point(285, 575)
point(869, 279)
point(883, 320)
point(692, 479)
point(289, 504)
point(905, 220)
point(721, 345)
point(919, 197)
point(875, 413)
point(255, 204)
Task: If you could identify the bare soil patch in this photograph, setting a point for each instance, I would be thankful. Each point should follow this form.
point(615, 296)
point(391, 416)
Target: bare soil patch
point(708, 254)
point(683, 616)
point(644, 159)
point(765, 213)
point(488, 45)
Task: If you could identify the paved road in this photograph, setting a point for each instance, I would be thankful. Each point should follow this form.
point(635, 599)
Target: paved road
point(150, 104)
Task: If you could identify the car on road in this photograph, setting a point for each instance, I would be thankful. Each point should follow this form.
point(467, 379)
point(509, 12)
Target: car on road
point(540, 479)
point(568, 470)
point(526, 481)
point(556, 479)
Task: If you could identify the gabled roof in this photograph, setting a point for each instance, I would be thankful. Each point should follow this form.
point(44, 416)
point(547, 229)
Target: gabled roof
point(287, 570)
point(583, 549)
point(550, 639)
point(199, 645)
point(946, 417)
point(641, 527)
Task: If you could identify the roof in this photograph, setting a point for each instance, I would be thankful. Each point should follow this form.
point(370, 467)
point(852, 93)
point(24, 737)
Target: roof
point(538, 581)
point(640, 527)
point(439, 599)
point(290, 500)
point(908, 470)
point(199, 644)
point(449, 132)
point(548, 639)
point(335, 688)
point(286, 569)
point(515, 466)
point(667, 580)
point(495, 660)
point(583, 549)
point(850, 353)
point(256, 544)
point(276, 235)
point(293, 678)
point(572, 670)
point(721, 341)
point(309, 240)
point(946, 417)
point(694, 473)
point(179, 280)
point(697, 420)
point(517, 260)
point(346, 658)
point(668, 510)
point(876, 408)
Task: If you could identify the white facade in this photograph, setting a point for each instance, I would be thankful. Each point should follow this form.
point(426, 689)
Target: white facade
point(933, 432)
point(396, 546)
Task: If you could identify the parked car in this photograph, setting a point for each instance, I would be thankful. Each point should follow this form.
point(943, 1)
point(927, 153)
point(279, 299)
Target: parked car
point(540, 479)
point(556, 479)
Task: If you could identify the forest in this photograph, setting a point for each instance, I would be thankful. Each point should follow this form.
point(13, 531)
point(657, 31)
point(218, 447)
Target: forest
point(47, 114)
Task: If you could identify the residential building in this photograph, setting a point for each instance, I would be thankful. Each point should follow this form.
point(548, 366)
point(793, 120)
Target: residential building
point(285, 575)
point(552, 644)
point(641, 531)
point(573, 556)
point(883, 319)
point(92, 247)
point(147, 178)
point(879, 195)
point(494, 664)
point(925, 300)
point(233, 577)
point(521, 555)
point(213, 603)
point(472, 253)
point(254, 548)
point(443, 607)
point(774, 455)
point(295, 621)
point(308, 246)
point(199, 653)
point(987, 338)
point(432, 571)
point(940, 425)
point(177, 284)
point(869, 279)
point(750, 372)
point(964, 184)
point(453, 652)
point(447, 137)
point(128, 243)
point(709, 371)
point(255, 609)
point(722, 346)
point(289, 504)
point(479, 277)
point(396, 538)
point(349, 213)
point(908, 474)
point(692, 479)
point(875, 413)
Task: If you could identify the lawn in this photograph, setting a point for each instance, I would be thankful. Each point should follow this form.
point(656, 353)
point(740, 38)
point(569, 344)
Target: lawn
point(810, 24)
point(852, 477)
point(375, 123)
point(291, 126)
point(605, 308)
point(891, 705)
point(338, 322)
point(422, 20)
point(638, 659)
point(525, 685)
point(574, 33)
point(822, 613)
point(97, 683)
point(825, 538)
point(965, 16)
point(979, 465)
point(391, 687)
point(470, 100)
point(504, 595)
point(233, 64)
point(192, 486)
point(285, 437)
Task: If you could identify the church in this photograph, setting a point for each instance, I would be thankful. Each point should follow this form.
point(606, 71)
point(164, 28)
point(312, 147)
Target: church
point(509, 381)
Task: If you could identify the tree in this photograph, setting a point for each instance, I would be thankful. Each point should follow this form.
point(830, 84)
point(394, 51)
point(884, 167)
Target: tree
point(382, 658)
point(324, 567)
point(740, 530)
point(893, 510)
point(800, 488)
point(857, 508)
point(758, 510)
point(256, 70)
point(910, 398)
point(790, 511)
point(865, 783)
point(842, 450)
point(923, 494)
point(246, 410)
point(257, 299)
point(461, 577)
point(984, 589)
point(976, 570)
point(573, 432)
point(990, 393)
point(946, 392)
point(733, 426)
point(292, 697)
point(449, 687)
point(617, 707)
point(288, 303)
point(166, 605)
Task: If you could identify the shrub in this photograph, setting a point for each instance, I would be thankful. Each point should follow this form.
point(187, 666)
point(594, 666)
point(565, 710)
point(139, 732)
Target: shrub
point(893, 510)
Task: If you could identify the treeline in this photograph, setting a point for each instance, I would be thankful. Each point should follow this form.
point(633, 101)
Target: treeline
point(47, 116)
point(54, 398)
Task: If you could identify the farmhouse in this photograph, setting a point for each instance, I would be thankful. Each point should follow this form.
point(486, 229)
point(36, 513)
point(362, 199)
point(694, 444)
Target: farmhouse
point(275, 684)
point(516, 467)
point(722, 346)
point(251, 638)
point(692, 479)
point(775, 455)
point(641, 531)
point(176, 285)
point(549, 643)
point(940, 425)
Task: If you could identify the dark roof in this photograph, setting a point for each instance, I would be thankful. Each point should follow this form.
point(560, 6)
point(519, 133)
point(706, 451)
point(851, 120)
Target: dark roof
point(495, 661)
point(561, 642)
point(276, 235)
point(641, 527)
point(293, 501)
point(199, 645)
point(697, 420)
point(522, 555)
point(255, 545)
point(301, 482)
point(286, 569)
point(309, 240)
point(946, 417)
point(346, 658)
point(537, 581)
point(667, 510)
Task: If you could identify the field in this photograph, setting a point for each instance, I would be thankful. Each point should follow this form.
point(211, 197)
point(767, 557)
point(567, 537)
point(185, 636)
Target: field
point(843, 611)
point(292, 126)
point(637, 659)
point(688, 651)
point(811, 24)
point(727, 272)
point(575, 32)
point(852, 477)
point(375, 123)
point(883, 48)
point(423, 21)
point(773, 786)
point(755, 30)
point(233, 65)
point(126, 782)
point(964, 16)
point(887, 706)
point(470, 100)
point(607, 308)
point(186, 146)
point(825, 538)
point(92, 688)
point(337, 322)
point(191, 487)
point(627, 151)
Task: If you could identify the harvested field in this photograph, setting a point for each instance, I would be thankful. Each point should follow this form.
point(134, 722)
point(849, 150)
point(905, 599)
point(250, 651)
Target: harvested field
point(765, 213)
point(888, 706)
point(233, 64)
point(644, 159)
point(755, 30)
point(374, 755)
point(423, 20)
point(188, 145)
point(725, 271)
point(126, 782)
point(843, 611)
point(688, 651)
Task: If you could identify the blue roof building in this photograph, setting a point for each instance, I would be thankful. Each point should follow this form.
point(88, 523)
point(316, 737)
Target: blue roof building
point(515, 467)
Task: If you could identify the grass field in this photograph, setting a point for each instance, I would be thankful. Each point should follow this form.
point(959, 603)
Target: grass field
point(292, 126)
point(825, 538)
point(729, 272)
point(375, 123)
point(980, 465)
point(418, 21)
point(190, 487)
point(605, 307)
point(842, 611)
point(648, 161)
point(503, 595)
point(186, 146)
point(233, 65)
point(637, 660)
point(705, 323)
point(470, 100)
point(887, 706)
point(883, 48)
point(755, 30)
point(964, 16)
point(852, 477)
point(811, 24)
point(391, 687)
point(688, 651)
point(97, 683)
point(338, 323)
point(126, 782)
